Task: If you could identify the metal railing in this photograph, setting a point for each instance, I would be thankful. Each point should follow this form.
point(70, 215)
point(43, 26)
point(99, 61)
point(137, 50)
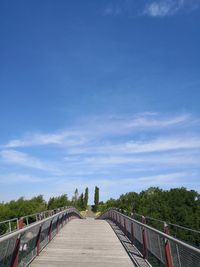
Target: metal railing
point(20, 247)
point(158, 248)
point(184, 233)
point(11, 225)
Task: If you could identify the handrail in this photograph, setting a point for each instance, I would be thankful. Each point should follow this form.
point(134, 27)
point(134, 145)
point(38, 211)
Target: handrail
point(9, 220)
point(20, 247)
point(20, 231)
point(161, 233)
point(168, 223)
point(154, 244)
point(191, 236)
point(25, 220)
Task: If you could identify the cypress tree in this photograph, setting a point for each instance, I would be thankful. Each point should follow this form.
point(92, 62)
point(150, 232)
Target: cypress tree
point(86, 198)
point(96, 198)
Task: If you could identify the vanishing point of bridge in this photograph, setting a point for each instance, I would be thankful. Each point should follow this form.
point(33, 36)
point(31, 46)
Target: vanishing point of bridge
point(114, 239)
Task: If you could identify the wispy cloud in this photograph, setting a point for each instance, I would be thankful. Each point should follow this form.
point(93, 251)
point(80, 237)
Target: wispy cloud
point(163, 8)
point(98, 127)
point(16, 178)
point(100, 150)
point(165, 143)
point(152, 8)
point(14, 157)
point(69, 138)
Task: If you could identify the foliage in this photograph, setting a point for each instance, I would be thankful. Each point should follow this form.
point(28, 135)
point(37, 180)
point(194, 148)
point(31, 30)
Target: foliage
point(58, 202)
point(178, 206)
point(96, 199)
point(86, 196)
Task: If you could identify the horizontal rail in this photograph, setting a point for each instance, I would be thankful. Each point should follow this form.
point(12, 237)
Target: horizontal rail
point(169, 223)
point(10, 220)
point(19, 248)
point(11, 225)
point(155, 245)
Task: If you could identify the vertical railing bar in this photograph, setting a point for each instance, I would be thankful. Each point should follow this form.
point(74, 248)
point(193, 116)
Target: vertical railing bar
point(15, 255)
point(167, 247)
point(10, 228)
point(37, 244)
point(144, 240)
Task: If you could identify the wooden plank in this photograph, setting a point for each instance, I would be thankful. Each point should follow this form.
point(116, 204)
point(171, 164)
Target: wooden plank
point(84, 243)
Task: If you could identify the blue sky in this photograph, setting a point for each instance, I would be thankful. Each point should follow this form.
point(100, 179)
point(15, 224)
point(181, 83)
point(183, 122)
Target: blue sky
point(99, 93)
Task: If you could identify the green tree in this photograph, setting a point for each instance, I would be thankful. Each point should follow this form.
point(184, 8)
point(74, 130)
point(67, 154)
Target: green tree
point(96, 199)
point(58, 202)
point(80, 202)
point(86, 198)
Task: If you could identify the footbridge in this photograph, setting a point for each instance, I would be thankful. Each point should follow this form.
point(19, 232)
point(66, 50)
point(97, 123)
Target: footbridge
point(65, 238)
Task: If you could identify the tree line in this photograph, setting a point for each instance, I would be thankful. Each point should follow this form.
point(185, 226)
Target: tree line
point(178, 205)
point(22, 207)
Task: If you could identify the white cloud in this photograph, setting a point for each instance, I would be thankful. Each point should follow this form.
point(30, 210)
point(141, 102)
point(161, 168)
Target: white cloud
point(164, 143)
point(16, 178)
point(68, 138)
point(152, 8)
point(14, 157)
point(100, 127)
point(111, 147)
point(163, 8)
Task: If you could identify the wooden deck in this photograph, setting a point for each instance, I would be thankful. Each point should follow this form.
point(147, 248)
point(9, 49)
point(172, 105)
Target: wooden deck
point(84, 243)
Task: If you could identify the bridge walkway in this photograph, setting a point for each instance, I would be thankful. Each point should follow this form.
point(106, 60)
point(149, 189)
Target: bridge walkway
point(84, 243)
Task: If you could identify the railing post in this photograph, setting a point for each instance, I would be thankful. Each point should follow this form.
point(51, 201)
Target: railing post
point(62, 218)
point(38, 241)
point(50, 230)
point(144, 239)
point(20, 223)
point(132, 233)
point(15, 255)
point(65, 217)
point(125, 229)
point(167, 247)
point(57, 225)
point(120, 222)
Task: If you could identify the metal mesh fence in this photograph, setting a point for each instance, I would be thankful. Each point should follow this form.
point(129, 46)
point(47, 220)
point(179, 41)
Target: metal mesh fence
point(27, 249)
point(156, 245)
point(6, 251)
point(44, 236)
point(54, 225)
point(181, 254)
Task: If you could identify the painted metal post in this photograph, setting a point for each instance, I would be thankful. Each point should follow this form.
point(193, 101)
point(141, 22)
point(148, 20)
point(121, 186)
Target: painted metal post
point(15, 255)
point(57, 225)
point(38, 241)
point(65, 217)
point(10, 228)
point(168, 255)
point(125, 229)
point(132, 233)
point(20, 223)
point(144, 240)
point(50, 230)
